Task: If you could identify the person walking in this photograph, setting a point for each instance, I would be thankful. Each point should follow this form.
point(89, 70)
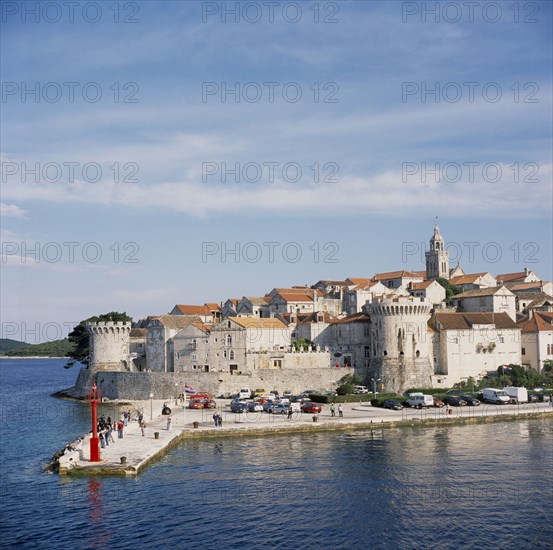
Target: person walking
point(551, 400)
point(109, 434)
point(101, 437)
point(120, 426)
point(340, 410)
point(140, 418)
point(220, 420)
point(290, 412)
point(216, 419)
point(332, 410)
point(142, 426)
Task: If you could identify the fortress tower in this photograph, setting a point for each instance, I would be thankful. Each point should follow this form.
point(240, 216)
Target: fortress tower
point(400, 344)
point(437, 258)
point(109, 346)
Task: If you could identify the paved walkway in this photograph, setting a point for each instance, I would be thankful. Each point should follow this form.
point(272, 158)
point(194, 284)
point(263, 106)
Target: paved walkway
point(140, 450)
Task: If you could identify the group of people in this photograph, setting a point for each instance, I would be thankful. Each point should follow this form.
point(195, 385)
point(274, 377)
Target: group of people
point(333, 410)
point(106, 427)
point(217, 419)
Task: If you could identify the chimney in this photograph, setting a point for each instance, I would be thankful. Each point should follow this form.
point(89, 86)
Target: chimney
point(526, 271)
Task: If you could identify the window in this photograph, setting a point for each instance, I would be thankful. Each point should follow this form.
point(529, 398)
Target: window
point(225, 353)
point(194, 357)
point(549, 349)
point(501, 340)
point(523, 351)
point(228, 325)
point(231, 355)
point(229, 340)
point(277, 363)
point(194, 343)
point(367, 351)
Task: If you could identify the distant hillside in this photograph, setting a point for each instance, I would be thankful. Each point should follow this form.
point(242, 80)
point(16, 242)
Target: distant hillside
point(7, 344)
point(57, 348)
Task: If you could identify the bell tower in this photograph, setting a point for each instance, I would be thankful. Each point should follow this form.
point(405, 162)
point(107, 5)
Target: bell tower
point(437, 258)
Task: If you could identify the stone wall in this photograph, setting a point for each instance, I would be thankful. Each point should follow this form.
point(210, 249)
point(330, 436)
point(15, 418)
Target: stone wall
point(139, 385)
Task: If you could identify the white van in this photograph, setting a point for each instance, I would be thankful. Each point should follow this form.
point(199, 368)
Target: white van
point(420, 400)
point(495, 396)
point(244, 393)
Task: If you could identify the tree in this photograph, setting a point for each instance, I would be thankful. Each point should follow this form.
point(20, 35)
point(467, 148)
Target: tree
point(306, 343)
point(79, 335)
point(450, 290)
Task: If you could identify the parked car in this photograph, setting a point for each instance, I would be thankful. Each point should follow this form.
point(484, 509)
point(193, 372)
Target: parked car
point(237, 406)
point(360, 390)
point(311, 407)
point(533, 398)
point(455, 401)
point(332, 393)
point(278, 408)
point(392, 404)
point(439, 404)
point(287, 394)
point(254, 406)
point(268, 405)
point(245, 393)
point(472, 401)
point(259, 391)
point(210, 404)
point(307, 393)
point(196, 404)
point(454, 392)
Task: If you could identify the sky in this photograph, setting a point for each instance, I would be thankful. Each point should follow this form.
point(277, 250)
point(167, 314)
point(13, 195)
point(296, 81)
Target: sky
point(156, 153)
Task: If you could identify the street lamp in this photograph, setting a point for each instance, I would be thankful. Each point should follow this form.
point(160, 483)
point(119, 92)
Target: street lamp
point(151, 406)
point(374, 381)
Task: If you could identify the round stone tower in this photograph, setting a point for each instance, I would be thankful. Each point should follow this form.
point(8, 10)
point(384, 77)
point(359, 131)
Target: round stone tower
point(400, 344)
point(109, 346)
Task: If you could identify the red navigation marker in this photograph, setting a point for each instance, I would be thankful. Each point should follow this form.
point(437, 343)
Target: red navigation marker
point(94, 399)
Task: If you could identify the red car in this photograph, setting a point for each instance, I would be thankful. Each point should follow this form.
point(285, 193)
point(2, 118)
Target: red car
point(311, 407)
point(196, 404)
point(438, 403)
point(209, 404)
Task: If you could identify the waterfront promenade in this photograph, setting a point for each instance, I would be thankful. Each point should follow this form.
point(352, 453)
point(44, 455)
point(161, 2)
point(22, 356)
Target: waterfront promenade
point(140, 450)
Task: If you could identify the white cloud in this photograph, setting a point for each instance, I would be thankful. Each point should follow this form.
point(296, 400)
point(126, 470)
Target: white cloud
point(12, 211)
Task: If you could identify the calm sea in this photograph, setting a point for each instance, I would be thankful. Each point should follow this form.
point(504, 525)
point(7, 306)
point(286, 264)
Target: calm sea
point(483, 486)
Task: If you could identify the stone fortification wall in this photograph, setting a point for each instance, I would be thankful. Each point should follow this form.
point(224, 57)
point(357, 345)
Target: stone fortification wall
point(109, 345)
point(139, 385)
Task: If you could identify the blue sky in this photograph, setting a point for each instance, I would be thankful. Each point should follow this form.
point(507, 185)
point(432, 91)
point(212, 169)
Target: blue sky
point(363, 121)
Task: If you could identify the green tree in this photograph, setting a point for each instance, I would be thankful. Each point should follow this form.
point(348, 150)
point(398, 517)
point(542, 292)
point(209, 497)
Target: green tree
point(306, 343)
point(450, 290)
point(79, 335)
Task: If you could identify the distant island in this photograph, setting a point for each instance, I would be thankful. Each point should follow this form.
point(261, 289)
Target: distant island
point(55, 348)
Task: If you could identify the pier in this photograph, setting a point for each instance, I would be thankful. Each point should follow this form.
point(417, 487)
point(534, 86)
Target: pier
point(130, 455)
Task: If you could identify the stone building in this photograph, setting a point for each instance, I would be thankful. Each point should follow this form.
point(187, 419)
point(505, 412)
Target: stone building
point(493, 300)
point(537, 339)
point(474, 281)
point(472, 344)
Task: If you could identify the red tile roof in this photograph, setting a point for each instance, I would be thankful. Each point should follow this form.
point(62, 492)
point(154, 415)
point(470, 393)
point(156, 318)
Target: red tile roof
point(512, 276)
point(193, 310)
point(540, 321)
point(396, 275)
point(213, 306)
point(465, 321)
point(467, 279)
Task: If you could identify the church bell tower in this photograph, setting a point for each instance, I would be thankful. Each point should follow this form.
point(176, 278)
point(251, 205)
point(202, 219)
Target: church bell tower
point(437, 258)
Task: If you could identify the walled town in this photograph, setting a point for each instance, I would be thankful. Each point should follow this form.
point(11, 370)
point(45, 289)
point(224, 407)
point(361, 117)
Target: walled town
point(395, 329)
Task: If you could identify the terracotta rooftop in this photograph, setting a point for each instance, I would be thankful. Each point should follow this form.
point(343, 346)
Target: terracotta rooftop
point(465, 321)
point(420, 286)
point(254, 322)
point(396, 275)
point(313, 317)
point(193, 310)
point(294, 297)
point(138, 333)
point(257, 300)
point(359, 280)
point(176, 321)
point(479, 292)
point(519, 276)
point(467, 279)
point(355, 318)
point(539, 322)
point(213, 306)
